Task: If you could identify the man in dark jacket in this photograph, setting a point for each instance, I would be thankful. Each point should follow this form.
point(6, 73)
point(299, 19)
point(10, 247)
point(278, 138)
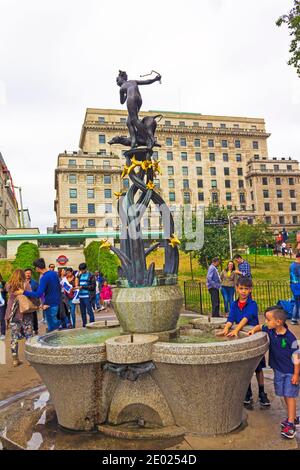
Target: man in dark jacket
point(34, 287)
point(87, 286)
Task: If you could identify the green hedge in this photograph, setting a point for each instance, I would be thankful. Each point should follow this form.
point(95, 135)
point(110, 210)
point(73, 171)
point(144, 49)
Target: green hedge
point(26, 254)
point(102, 260)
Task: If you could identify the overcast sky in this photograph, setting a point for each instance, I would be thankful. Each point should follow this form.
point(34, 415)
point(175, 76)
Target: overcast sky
point(222, 57)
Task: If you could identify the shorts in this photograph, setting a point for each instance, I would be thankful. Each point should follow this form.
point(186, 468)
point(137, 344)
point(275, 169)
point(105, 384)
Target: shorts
point(261, 365)
point(283, 386)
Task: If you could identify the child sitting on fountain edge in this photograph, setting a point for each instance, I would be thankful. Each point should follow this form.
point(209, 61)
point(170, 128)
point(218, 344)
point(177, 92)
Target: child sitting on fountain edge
point(244, 311)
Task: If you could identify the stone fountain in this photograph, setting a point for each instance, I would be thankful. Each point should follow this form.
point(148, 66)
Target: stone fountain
point(147, 377)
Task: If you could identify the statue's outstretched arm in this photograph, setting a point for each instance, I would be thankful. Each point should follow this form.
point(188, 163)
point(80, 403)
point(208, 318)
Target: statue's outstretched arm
point(148, 82)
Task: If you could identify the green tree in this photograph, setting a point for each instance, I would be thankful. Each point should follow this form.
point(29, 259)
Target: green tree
point(26, 254)
point(253, 236)
point(102, 260)
point(292, 19)
point(216, 238)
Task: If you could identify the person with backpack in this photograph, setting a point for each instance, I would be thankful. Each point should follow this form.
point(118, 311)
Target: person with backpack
point(87, 286)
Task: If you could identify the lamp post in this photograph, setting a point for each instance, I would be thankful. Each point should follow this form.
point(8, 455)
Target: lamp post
point(7, 185)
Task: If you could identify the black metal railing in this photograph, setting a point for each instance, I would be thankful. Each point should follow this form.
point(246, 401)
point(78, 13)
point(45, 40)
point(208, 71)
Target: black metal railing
point(265, 293)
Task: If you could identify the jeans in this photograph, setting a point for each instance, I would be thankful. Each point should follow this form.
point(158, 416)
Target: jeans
point(2, 320)
point(72, 312)
point(86, 307)
point(98, 300)
point(215, 301)
point(296, 310)
point(228, 295)
point(51, 318)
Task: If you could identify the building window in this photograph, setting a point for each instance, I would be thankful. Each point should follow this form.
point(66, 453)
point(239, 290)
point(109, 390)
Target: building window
point(281, 220)
point(168, 123)
point(209, 124)
point(123, 120)
point(171, 196)
point(236, 126)
point(171, 184)
point(106, 163)
point(73, 208)
point(228, 196)
point(278, 181)
point(182, 142)
point(242, 198)
point(200, 183)
point(91, 222)
point(237, 144)
point(238, 157)
point(295, 219)
point(280, 206)
point(74, 223)
point(169, 141)
point(293, 206)
point(185, 184)
point(279, 193)
point(186, 198)
point(225, 157)
point(169, 156)
point(198, 156)
point(265, 181)
point(265, 193)
point(291, 181)
point(108, 208)
point(226, 171)
point(184, 156)
point(107, 179)
point(241, 184)
point(196, 124)
point(102, 139)
point(227, 184)
point(73, 179)
point(224, 143)
point(91, 208)
point(252, 196)
point(276, 167)
point(126, 183)
point(181, 123)
point(90, 193)
point(89, 162)
point(197, 143)
point(267, 206)
point(72, 163)
point(222, 126)
point(214, 198)
point(107, 193)
point(73, 193)
point(156, 181)
point(289, 167)
point(255, 145)
point(268, 220)
point(213, 183)
point(90, 179)
point(101, 119)
point(213, 171)
point(170, 170)
point(240, 171)
point(211, 143)
point(108, 223)
point(250, 182)
point(292, 193)
point(101, 152)
point(212, 157)
point(198, 170)
point(185, 171)
point(201, 197)
point(155, 155)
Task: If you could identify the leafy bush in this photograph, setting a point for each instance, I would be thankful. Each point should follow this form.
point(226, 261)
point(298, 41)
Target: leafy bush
point(102, 260)
point(6, 269)
point(26, 254)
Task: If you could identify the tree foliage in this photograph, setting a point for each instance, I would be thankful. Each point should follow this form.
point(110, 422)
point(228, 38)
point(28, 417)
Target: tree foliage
point(26, 254)
point(101, 260)
point(292, 19)
point(253, 236)
point(216, 238)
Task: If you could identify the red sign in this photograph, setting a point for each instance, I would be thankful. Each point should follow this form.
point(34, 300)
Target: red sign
point(62, 259)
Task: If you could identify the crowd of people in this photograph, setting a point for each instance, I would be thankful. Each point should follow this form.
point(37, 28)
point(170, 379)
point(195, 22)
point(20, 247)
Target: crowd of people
point(57, 294)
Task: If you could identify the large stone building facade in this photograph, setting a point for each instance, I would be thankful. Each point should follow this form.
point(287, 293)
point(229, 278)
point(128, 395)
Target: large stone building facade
point(204, 160)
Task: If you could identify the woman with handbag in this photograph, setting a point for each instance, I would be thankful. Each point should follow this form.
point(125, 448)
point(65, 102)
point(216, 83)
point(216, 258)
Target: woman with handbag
point(21, 323)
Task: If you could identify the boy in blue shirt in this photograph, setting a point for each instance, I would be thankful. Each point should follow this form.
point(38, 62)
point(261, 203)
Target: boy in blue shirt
point(244, 311)
point(284, 360)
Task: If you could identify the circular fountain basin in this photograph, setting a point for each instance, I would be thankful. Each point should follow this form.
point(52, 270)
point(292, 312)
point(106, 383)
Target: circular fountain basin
point(99, 325)
point(130, 349)
point(148, 309)
point(69, 363)
point(205, 383)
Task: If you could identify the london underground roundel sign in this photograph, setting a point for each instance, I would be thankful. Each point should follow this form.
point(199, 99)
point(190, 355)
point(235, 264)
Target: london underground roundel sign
point(62, 259)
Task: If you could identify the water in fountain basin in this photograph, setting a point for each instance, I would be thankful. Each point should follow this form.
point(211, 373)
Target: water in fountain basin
point(207, 337)
point(80, 337)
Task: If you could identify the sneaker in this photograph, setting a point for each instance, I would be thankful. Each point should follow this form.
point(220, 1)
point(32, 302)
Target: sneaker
point(294, 322)
point(2, 337)
point(289, 431)
point(264, 400)
point(102, 308)
point(296, 422)
point(248, 401)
